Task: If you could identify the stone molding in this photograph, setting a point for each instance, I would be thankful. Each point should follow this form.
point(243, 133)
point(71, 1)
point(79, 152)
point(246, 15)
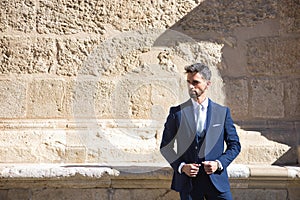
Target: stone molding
point(114, 176)
point(96, 181)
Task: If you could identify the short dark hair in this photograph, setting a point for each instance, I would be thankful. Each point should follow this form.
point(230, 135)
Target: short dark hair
point(199, 68)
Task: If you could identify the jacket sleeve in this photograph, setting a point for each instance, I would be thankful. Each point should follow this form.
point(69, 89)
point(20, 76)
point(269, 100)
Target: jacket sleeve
point(232, 141)
point(168, 140)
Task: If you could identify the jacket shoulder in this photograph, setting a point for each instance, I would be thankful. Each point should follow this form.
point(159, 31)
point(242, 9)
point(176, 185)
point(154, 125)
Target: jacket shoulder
point(178, 108)
point(218, 106)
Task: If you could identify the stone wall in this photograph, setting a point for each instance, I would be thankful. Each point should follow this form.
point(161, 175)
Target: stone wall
point(87, 84)
point(92, 81)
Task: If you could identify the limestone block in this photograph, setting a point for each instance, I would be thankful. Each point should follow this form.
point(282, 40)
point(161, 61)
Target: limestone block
point(75, 17)
point(12, 98)
point(274, 171)
point(120, 54)
point(19, 194)
point(291, 100)
point(289, 16)
point(47, 98)
point(72, 53)
point(31, 146)
point(75, 154)
point(91, 97)
point(267, 98)
point(150, 98)
point(273, 56)
point(26, 55)
point(69, 17)
point(3, 194)
point(249, 194)
point(266, 154)
point(159, 194)
point(237, 97)
point(18, 15)
point(257, 149)
point(216, 16)
point(69, 194)
point(294, 192)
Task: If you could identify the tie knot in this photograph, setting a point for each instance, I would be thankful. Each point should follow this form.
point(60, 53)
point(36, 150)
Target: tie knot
point(201, 107)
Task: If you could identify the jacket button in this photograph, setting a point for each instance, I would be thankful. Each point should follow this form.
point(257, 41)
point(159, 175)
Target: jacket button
point(196, 147)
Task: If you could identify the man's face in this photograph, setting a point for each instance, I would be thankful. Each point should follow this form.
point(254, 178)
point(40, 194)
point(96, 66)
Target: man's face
point(197, 85)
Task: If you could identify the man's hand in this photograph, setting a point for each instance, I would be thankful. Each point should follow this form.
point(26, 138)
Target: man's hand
point(191, 169)
point(210, 166)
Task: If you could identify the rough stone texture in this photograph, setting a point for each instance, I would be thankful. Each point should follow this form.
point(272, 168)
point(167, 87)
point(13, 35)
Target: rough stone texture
point(238, 100)
point(289, 16)
point(12, 98)
point(263, 91)
point(47, 98)
point(224, 16)
point(92, 16)
point(273, 56)
point(261, 194)
point(35, 146)
point(102, 141)
point(291, 101)
point(72, 53)
point(18, 15)
point(22, 55)
point(257, 149)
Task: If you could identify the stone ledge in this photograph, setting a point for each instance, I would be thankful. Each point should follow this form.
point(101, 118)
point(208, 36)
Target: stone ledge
point(100, 176)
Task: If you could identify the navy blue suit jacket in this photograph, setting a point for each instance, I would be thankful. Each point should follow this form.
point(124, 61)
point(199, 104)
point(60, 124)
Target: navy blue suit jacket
point(179, 144)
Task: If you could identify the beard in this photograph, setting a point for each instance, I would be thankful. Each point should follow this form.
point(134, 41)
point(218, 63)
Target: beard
point(194, 94)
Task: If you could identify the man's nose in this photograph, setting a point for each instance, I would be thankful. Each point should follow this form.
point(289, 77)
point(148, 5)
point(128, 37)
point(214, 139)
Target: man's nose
point(191, 86)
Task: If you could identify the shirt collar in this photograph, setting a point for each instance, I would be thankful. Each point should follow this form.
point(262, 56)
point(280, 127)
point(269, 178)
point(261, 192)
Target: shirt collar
point(196, 104)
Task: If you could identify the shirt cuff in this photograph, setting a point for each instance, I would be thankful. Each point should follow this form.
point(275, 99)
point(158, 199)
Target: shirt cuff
point(180, 167)
point(220, 166)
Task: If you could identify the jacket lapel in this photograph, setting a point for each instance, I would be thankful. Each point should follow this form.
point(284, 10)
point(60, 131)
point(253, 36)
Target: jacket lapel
point(208, 114)
point(188, 114)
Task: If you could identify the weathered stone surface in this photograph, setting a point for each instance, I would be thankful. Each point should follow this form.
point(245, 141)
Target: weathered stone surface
point(74, 17)
point(91, 97)
point(26, 55)
point(267, 98)
point(19, 194)
point(72, 53)
point(224, 16)
point(291, 100)
point(273, 56)
point(257, 149)
point(18, 15)
point(260, 194)
point(69, 193)
point(12, 98)
point(30, 146)
point(237, 98)
point(47, 98)
point(142, 194)
point(289, 16)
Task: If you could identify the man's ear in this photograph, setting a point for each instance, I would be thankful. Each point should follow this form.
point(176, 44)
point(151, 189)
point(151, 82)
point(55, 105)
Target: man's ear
point(208, 83)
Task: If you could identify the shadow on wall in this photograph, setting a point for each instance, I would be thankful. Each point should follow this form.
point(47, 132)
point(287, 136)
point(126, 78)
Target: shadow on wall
point(215, 33)
point(253, 71)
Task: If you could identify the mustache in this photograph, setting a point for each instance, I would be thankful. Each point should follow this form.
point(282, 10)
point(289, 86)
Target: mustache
point(195, 93)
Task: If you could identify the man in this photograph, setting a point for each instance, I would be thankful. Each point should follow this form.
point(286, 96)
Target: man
point(193, 141)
